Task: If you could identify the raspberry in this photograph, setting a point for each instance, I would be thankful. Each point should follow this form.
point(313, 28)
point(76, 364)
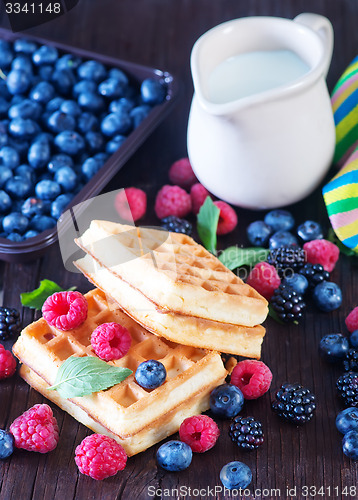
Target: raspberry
point(36, 429)
point(131, 204)
point(181, 173)
point(172, 200)
point(352, 320)
point(252, 377)
point(65, 310)
point(227, 218)
point(99, 457)
point(322, 252)
point(198, 195)
point(264, 278)
point(111, 341)
point(7, 363)
point(199, 432)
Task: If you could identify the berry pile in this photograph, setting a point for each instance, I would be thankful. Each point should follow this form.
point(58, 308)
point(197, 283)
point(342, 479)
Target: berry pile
point(61, 117)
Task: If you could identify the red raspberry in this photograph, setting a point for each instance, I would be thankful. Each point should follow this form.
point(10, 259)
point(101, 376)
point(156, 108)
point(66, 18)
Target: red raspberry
point(65, 310)
point(111, 341)
point(198, 195)
point(264, 278)
point(352, 320)
point(172, 200)
point(199, 432)
point(322, 252)
point(182, 174)
point(99, 457)
point(252, 377)
point(36, 429)
point(131, 204)
point(7, 363)
point(227, 218)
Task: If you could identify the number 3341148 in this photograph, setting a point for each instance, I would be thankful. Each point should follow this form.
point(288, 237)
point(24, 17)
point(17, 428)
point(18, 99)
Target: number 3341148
point(33, 8)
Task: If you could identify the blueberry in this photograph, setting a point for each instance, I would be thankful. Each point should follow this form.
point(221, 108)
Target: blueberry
point(70, 143)
point(94, 141)
point(87, 122)
point(45, 73)
point(347, 420)
point(6, 57)
point(333, 347)
point(9, 157)
point(297, 282)
point(226, 401)
point(25, 109)
point(5, 175)
point(25, 46)
point(32, 207)
point(150, 374)
point(258, 233)
point(350, 444)
point(66, 178)
point(23, 63)
point(4, 107)
point(174, 456)
point(45, 55)
point(115, 143)
point(112, 88)
point(43, 92)
point(15, 222)
point(5, 202)
point(116, 123)
point(118, 74)
point(54, 104)
point(235, 475)
point(84, 86)
point(90, 101)
point(7, 444)
point(59, 121)
point(101, 158)
point(39, 154)
point(92, 70)
point(18, 187)
point(310, 230)
point(14, 237)
point(71, 108)
point(23, 128)
point(138, 114)
point(353, 339)
point(123, 104)
point(47, 190)
point(279, 220)
point(59, 204)
point(327, 296)
point(63, 80)
point(68, 61)
point(152, 91)
point(31, 233)
point(90, 167)
point(40, 223)
point(59, 161)
point(282, 239)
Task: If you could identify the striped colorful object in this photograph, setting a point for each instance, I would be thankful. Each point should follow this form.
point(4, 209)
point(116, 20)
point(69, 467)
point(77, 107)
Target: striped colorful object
point(341, 198)
point(345, 109)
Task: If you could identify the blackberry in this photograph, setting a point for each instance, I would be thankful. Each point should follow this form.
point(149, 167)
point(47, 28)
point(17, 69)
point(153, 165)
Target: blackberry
point(288, 304)
point(350, 363)
point(347, 387)
point(314, 273)
point(10, 323)
point(246, 432)
point(287, 260)
point(176, 225)
point(294, 403)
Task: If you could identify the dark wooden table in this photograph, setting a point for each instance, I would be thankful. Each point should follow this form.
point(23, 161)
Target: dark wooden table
point(293, 463)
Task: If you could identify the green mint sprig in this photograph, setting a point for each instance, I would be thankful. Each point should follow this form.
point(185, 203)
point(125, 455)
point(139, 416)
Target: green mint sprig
point(207, 223)
point(234, 257)
point(78, 377)
point(36, 298)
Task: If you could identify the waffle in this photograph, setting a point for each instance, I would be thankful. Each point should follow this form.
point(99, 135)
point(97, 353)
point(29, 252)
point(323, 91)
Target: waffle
point(243, 341)
point(125, 409)
point(165, 426)
point(174, 272)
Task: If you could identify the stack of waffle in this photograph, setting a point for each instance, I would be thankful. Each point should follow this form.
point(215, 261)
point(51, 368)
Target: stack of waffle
point(180, 305)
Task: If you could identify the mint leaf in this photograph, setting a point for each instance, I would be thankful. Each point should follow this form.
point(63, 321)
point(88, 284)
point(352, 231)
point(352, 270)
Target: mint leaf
point(37, 297)
point(81, 376)
point(207, 223)
point(234, 257)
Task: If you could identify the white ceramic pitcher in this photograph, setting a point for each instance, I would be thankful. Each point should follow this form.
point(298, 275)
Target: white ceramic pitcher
point(273, 148)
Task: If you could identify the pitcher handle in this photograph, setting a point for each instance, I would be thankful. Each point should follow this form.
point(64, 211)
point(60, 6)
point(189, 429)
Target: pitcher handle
point(323, 27)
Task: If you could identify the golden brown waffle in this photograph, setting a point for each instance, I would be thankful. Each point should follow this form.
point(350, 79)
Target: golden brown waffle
point(165, 426)
point(244, 341)
point(125, 409)
point(174, 272)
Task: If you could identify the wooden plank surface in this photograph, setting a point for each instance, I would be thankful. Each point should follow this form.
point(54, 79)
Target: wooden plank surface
point(161, 34)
